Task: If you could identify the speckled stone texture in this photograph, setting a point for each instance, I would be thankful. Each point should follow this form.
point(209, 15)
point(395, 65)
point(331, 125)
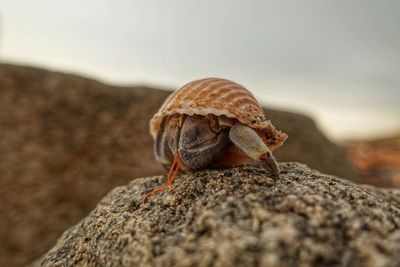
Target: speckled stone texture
point(65, 141)
point(238, 217)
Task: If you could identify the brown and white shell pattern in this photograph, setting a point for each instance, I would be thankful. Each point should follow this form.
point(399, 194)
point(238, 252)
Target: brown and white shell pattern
point(218, 97)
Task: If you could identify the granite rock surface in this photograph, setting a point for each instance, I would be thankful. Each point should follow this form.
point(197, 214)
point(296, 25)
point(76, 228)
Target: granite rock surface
point(238, 217)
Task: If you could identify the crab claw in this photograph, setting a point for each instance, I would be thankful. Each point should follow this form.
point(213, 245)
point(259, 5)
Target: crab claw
point(247, 140)
point(269, 163)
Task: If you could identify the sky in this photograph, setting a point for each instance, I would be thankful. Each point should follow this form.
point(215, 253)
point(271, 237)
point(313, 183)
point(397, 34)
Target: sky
point(337, 61)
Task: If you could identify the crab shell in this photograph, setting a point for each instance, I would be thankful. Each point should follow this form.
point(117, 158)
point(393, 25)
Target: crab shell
point(218, 97)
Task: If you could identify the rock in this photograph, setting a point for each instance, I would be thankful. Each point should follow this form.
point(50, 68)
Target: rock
point(377, 160)
point(308, 145)
point(65, 141)
point(238, 217)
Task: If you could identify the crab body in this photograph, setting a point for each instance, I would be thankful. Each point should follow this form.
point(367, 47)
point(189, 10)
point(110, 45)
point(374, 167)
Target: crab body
point(214, 123)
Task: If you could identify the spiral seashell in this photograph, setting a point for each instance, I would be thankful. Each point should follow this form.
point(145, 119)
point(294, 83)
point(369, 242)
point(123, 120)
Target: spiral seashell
point(219, 97)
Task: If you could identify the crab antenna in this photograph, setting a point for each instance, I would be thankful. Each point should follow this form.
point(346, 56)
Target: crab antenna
point(173, 171)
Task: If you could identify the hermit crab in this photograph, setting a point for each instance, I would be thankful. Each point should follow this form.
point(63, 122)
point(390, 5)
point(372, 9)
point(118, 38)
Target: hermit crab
point(212, 123)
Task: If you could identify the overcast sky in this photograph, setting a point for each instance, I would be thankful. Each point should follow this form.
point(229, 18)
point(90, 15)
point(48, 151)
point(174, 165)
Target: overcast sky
point(338, 61)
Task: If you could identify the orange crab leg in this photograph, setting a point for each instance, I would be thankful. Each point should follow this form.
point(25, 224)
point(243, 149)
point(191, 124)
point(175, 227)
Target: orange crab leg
point(175, 165)
point(173, 171)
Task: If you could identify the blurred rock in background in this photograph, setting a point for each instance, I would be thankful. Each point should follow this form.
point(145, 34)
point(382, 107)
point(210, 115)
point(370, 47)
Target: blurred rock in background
point(378, 160)
point(307, 144)
point(65, 141)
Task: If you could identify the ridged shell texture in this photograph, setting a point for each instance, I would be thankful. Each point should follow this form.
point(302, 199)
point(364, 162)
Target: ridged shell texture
point(212, 96)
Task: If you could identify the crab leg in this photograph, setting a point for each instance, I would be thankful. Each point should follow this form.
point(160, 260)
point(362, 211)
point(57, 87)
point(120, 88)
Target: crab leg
point(173, 171)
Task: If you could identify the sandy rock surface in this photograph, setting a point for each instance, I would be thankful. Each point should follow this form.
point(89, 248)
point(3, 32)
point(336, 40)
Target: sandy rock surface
point(65, 141)
point(238, 217)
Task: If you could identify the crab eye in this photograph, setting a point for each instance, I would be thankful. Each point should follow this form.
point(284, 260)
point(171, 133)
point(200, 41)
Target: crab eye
point(271, 139)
